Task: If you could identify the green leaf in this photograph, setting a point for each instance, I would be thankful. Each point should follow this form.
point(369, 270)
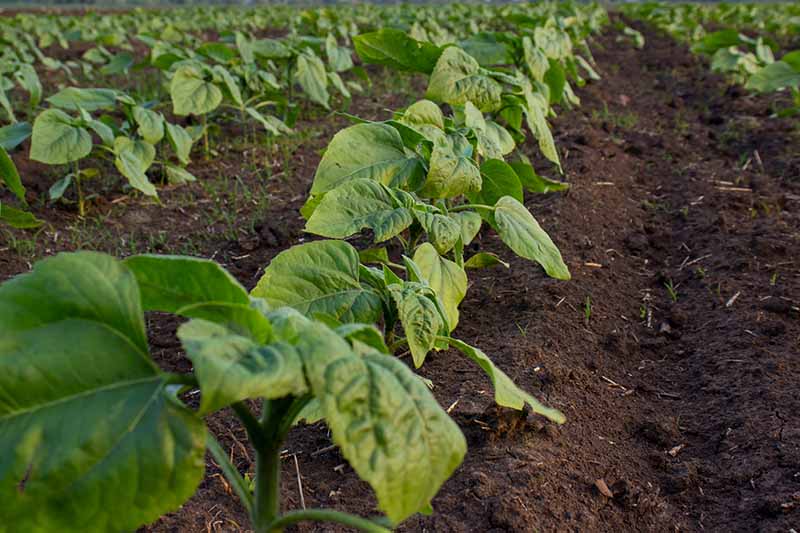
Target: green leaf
point(13, 135)
point(272, 124)
point(420, 318)
point(230, 84)
point(312, 78)
point(338, 56)
point(458, 79)
point(119, 64)
point(773, 77)
point(231, 368)
point(368, 150)
point(446, 278)
point(151, 124)
point(337, 82)
point(534, 182)
point(451, 172)
point(56, 140)
point(535, 59)
point(470, 223)
point(484, 260)
point(171, 283)
point(103, 131)
point(319, 277)
point(192, 94)
point(424, 113)
point(93, 438)
point(29, 80)
point(181, 142)
point(57, 190)
point(132, 160)
point(443, 231)
point(10, 176)
point(520, 231)
point(374, 255)
point(17, 218)
point(385, 420)
point(556, 79)
point(74, 98)
point(499, 179)
point(178, 175)
point(197, 288)
point(271, 49)
point(397, 50)
point(494, 141)
point(506, 392)
point(217, 51)
point(535, 111)
point(358, 204)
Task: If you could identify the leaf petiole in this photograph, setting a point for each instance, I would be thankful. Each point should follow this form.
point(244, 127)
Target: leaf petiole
point(326, 515)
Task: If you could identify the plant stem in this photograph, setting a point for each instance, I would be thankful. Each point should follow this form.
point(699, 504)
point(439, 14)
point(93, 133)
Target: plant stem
point(81, 204)
point(267, 502)
point(205, 137)
point(463, 207)
point(231, 473)
point(326, 515)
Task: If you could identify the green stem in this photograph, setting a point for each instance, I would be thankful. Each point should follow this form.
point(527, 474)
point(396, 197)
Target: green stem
point(464, 207)
point(205, 137)
point(267, 502)
point(81, 203)
point(326, 515)
point(238, 483)
point(398, 343)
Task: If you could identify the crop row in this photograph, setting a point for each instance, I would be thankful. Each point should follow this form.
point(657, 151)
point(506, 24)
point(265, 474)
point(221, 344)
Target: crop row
point(102, 439)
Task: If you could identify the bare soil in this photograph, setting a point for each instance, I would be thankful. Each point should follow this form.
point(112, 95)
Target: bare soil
point(674, 351)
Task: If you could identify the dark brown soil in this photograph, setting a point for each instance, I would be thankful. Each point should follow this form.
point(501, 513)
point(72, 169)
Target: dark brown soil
point(681, 384)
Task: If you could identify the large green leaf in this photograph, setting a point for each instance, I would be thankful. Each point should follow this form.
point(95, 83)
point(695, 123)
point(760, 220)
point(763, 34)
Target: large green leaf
point(470, 223)
point(93, 439)
point(312, 78)
point(397, 50)
point(534, 182)
point(522, 233)
point(57, 140)
point(358, 204)
point(231, 368)
point(10, 177)
point(13, 135)
point(192, 94)
point(338, 56)
point(451, 171)
point(498, 179)
point(458, 79)
point(132, 160)
point(368, 150)
point(494, 141)
point(385, 420)
point(151, 124)
point(535, 111)
point(29, 80)
point(197, 288)
point(506, 392)
point(181, 142)
point(773, 77)
point(17, 218)
point(74, 98)
point(443, 231)
point(446, 278)
point(320, 277)
point(229, 83)
point(420, 318)
point(535, 59)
